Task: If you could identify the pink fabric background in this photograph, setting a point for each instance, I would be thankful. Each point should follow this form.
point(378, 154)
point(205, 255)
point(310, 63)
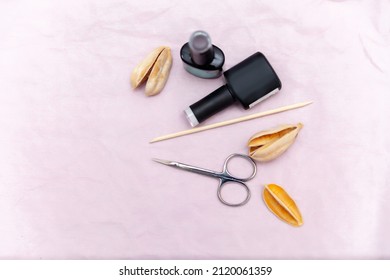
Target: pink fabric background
point(76, 176)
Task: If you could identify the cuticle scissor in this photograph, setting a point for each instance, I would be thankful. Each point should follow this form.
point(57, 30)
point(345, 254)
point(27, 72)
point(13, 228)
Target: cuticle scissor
point(224, 177)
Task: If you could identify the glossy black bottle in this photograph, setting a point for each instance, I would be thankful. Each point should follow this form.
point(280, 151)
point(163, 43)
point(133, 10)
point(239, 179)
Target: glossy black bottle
point(248, 83)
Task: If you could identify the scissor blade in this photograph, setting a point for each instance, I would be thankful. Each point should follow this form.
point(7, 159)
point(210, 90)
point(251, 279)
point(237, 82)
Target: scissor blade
point(187, 167)
point(163, 161)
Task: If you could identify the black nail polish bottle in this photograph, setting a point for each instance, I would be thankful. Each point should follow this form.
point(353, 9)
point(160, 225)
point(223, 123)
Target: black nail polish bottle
point(201, 58)
point(249, 82)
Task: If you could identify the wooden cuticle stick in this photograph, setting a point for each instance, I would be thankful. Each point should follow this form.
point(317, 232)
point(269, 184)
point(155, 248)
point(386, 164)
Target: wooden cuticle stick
point(233, 121)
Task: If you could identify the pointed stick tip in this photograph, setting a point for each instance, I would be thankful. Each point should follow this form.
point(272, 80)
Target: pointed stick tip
point(307, 103)
point(157, 139)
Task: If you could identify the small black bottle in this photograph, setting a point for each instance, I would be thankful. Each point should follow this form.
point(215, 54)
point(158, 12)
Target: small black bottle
point(249, 82)
point(201, 58)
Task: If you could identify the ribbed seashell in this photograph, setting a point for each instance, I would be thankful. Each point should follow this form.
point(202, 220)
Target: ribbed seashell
point(154, 70)
point(282, 205)
point(269, 144)
point(160, 73)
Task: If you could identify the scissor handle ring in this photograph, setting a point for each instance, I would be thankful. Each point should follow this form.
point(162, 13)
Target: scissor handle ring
point(226, 169)
point(219, 192)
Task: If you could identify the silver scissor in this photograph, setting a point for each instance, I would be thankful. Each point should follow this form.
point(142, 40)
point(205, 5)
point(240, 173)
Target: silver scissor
point(224, 176)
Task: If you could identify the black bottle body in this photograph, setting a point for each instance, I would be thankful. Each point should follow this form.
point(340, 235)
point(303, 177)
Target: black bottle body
point(249, 82)
point(213, 103)
point(252, 80)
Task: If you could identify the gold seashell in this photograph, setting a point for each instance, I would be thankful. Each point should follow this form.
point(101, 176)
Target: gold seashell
point(269, 144)
point(142, 70)
point(154, 70)
point(159, 74)
point(282, 205)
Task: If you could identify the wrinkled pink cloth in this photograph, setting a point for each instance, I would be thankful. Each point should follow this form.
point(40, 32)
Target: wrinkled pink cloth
point(76, 175)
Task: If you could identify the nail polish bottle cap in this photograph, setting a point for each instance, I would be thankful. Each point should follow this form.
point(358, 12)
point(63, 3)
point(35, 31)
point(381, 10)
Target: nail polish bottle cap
point(200, 57)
